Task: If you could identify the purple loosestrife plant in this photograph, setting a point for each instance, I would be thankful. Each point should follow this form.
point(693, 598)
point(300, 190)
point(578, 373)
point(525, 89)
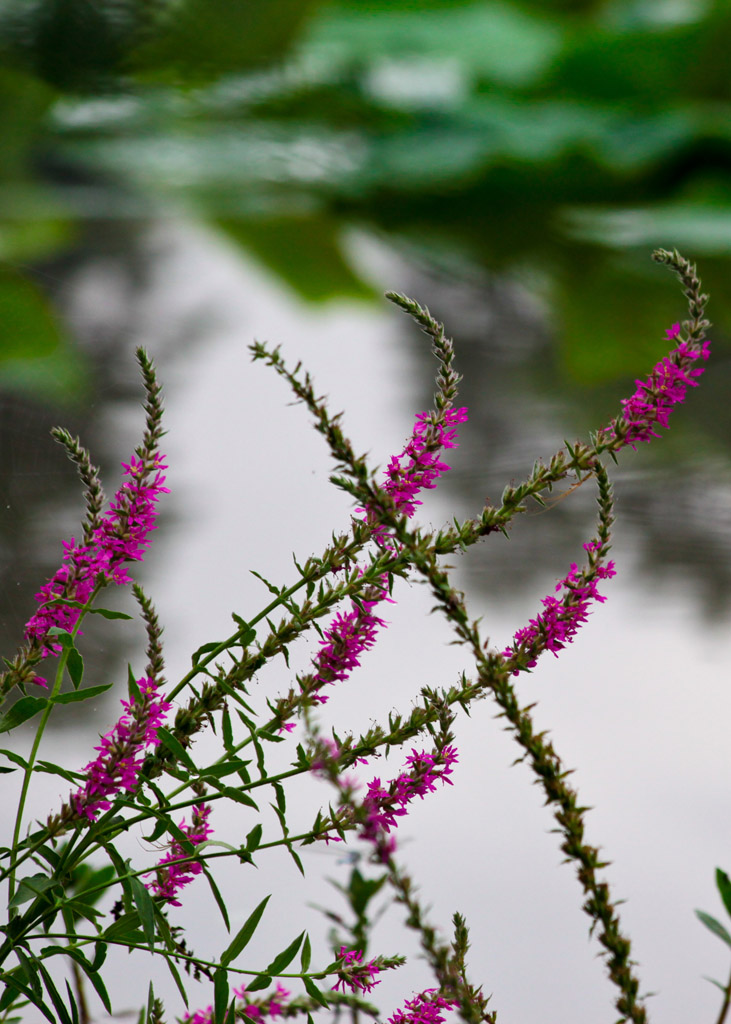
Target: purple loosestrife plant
point(70, 901)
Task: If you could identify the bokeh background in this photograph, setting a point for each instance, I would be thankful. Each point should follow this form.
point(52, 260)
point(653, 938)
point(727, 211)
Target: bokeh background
point(192, 174)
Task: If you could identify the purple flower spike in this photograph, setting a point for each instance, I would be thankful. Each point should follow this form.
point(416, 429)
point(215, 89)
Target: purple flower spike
point(122, 536)
point(656, 397)
point(121, 752)
point(172, 876)
point(418, 466)
point(383, 806)
point(560, 620)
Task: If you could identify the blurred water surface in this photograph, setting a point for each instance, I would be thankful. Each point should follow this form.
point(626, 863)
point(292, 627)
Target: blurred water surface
point(267, 170)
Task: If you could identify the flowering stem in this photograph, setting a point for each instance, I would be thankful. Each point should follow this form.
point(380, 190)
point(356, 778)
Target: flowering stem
point(34, 753)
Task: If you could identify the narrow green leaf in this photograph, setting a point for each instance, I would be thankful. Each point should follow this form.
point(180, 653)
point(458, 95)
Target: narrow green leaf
point(220, 995)
point(219, 771)
point(30, 969)
point(175, 747)
point(239, 797)
point(107, 613)
point(177, 979)
point(713, 925)
point(244, 935)
point(285, 958)
point(75, 667)
point(723, 882)
point(15, 758)
point(314, 991)
point(54, 994)
point(78, 695)
point(23, 710)
point(49, 768)
point(6, 771)
point(228, 733)
point(217, 897)
point(145, 908)
point(306, 955)
point(132, 688)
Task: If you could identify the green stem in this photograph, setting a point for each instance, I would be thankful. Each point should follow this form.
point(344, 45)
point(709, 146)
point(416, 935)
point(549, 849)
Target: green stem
point(726, 1003)
point(29, 769)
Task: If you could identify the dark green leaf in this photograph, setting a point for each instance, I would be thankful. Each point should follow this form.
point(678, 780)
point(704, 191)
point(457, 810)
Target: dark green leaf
point(146, 909)
point(285, 958)
point(54, 994)
point(132, 687)
point(314, 991)
point(239, 796)
point(75, 667)
point(306, 955)
point(218, 897)
point(175, 747)
point(205, 649)
point(220, 995)
point(23, 710)
point(53, 769)
point(723, 883)
point(107, 613)
point(15, 758)
point(29, 888)
point(244, 935)
point(78, 695)
point(260, 981)
point(715, 926)
point(177, 979)
point(11, 980)
point(228, 735)
point(253, 839)
point(219, 771)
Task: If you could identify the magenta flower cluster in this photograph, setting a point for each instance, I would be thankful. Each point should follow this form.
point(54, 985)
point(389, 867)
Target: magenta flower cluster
point(121, 536)
point(358, 977)
point(270, 1007)
point(424, 1008)
point(121, 752)
point(345, 639)
point(655, 398)
point(418, 467)
point(175, 870)
point(560, 619)
point(383, 805)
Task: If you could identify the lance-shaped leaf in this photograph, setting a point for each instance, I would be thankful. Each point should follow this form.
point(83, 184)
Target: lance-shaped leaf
point(242, 938)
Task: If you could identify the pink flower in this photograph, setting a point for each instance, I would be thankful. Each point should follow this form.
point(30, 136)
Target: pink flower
point(423, 1010)
point(172, 875)
point(359, 977)
point(122, 536)
point(121, 752)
